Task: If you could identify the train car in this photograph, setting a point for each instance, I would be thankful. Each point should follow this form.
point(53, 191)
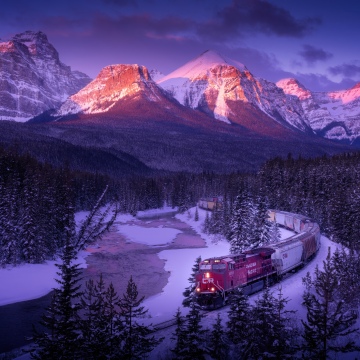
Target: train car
point(218, 277)
point(210, 203)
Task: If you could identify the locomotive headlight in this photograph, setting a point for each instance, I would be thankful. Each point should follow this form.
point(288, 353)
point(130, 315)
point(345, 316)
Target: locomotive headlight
point(207, 275)
point(212, 289)
point(197, 289)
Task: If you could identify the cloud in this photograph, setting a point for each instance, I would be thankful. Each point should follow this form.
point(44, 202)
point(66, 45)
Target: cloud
point(319, 82)
point(257, 16)
point(312, 54)
point(348, 70)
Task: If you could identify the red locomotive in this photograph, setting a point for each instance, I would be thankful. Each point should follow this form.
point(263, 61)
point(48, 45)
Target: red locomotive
point(218, 277)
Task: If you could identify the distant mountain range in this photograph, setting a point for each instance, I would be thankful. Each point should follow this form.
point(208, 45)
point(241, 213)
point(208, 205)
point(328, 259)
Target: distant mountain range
point(210, 114)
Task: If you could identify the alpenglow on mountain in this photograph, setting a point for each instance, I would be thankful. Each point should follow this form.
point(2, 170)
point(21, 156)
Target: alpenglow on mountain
point(32, 77)
point(334, 115)
point(33, 81)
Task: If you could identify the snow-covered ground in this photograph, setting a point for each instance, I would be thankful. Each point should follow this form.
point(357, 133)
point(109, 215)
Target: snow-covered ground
point(27, 281)
point(31, 281)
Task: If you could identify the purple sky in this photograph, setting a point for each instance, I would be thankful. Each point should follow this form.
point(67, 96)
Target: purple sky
point(312, 40)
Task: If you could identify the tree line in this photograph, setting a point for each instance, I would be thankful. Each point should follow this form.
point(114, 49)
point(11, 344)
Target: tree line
point(36, 197)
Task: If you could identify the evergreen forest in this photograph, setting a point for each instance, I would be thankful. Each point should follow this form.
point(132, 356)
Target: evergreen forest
point(36, 197)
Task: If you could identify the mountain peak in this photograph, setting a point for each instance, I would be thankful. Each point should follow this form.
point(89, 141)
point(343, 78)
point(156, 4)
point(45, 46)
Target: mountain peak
point(202, 64)
point(30, 36)
point(292, 86)
point(114, 82)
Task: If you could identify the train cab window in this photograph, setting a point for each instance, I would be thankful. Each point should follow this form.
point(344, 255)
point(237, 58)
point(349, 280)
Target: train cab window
point(231, 266)
point(205, 267)
point(219, 267)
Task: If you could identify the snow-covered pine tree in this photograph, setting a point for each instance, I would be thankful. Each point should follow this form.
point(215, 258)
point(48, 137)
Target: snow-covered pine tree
point(10, 216)
point(264, 317)
point(261, 224)
point(274, 232)
point(286, 332)
point(137, 340)
point(33, 241)
point(189, 291)
point(347, 266)
point(241, 224)
point(206, 226)
point(329, 324)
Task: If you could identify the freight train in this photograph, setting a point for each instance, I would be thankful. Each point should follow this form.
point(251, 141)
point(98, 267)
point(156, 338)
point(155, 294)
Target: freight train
point(251, 270)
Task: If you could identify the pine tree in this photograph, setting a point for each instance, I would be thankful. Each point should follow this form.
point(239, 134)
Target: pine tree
point(206, 227)
point(218, 346)
point(329, 324)
point(196, 218)
point(194, 334)
point(189, 291)
point(239, 328)
point(137, 339)
point(285, 343)
point(262, 226)
point(264, 318)
point(241, 224)
point(113, 324)
point(180, 336)
point(347, 267)
point(62, 319)
point(274, 232)
point(100, 338)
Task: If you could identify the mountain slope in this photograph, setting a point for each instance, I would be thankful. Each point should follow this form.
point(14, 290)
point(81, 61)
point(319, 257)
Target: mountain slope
point(219, 86)
point(334, 115)
point(32, 77)
point(123, 110)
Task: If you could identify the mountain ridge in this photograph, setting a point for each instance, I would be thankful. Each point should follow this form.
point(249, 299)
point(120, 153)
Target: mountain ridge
point(32, 77)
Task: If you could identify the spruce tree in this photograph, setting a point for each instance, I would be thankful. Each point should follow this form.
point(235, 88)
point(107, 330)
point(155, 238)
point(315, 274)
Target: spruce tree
point(112, 324)
point(274, 232)
point(137, 340)
point(63, 338)
point(196, 217)
point(180, 336)
point(195, 348)
point(100, 338)
point(241, 224)
point(329, 324)
point(239, 327)
point(218, 344)
point(189, 291)
point(262, 226)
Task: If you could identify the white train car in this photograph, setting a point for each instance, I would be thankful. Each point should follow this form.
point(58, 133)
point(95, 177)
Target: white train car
point(298, 249)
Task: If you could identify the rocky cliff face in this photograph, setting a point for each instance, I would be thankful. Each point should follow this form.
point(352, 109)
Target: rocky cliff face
point(334, 115)
point(213, 83)
point(114, 82)
point(32, 78)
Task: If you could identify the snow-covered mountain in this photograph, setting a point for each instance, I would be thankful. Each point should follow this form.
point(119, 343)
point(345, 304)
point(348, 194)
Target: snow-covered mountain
point(334, 115)
point(213, 83)
point(32, 77)
point(33, 81)
point(114, 82)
